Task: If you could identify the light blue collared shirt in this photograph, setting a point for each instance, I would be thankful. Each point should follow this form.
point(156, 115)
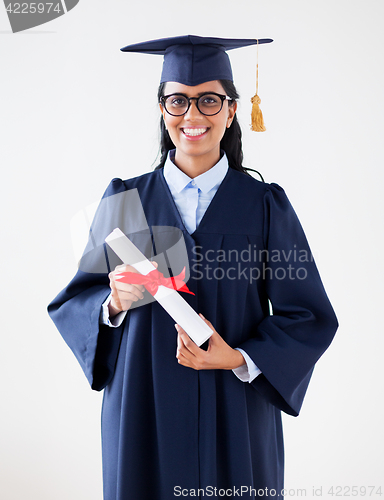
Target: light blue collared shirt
point(193, 196)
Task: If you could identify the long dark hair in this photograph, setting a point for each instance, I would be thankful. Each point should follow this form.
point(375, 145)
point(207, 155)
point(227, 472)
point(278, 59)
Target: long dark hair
point(230, 143)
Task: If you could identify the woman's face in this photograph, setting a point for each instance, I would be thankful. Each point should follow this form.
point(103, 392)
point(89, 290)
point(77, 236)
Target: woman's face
point(194, 134)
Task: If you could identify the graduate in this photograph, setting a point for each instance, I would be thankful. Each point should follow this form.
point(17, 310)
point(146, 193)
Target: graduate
point(179, 420)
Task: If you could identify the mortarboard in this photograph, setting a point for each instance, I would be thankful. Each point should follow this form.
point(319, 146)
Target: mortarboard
point(192, 60)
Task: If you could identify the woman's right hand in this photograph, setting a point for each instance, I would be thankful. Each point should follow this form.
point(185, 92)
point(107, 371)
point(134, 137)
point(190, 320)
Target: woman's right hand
point(123, 294)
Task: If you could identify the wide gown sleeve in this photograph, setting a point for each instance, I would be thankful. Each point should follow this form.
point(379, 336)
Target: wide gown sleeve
point(76, 310)
point(288, 343)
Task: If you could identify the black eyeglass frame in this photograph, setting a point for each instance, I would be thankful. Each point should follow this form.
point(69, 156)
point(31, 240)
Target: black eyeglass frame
point(189, 99)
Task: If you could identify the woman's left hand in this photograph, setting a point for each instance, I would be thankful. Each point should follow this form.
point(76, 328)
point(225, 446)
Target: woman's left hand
point(218, 356)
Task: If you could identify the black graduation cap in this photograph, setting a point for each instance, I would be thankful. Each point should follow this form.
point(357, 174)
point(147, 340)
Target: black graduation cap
point(192, 60)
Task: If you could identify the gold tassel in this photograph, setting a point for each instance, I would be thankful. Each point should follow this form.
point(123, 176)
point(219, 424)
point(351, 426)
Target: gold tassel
point(257, 116)
point(257, 120)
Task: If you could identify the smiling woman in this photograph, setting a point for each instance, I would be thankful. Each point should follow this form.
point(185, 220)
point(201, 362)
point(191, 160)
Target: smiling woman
point(230, 142)
point(195, 134)
point(179, 419)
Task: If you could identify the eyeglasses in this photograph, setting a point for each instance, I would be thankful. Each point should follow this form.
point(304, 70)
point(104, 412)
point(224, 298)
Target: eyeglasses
point(208, 104)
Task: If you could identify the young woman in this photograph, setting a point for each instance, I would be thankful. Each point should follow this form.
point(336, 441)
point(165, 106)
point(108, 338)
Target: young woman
point(180, 420)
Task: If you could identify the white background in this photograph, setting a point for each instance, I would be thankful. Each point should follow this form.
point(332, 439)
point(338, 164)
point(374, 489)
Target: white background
point(76, 112)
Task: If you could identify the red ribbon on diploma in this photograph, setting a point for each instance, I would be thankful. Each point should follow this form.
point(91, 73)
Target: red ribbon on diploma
point(154, 279)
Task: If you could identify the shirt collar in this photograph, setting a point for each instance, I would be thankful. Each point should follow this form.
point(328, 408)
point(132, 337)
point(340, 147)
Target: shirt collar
point(205, 182)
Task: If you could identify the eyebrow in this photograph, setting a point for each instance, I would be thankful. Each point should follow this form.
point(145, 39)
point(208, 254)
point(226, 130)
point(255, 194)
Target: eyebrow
point(197, 95)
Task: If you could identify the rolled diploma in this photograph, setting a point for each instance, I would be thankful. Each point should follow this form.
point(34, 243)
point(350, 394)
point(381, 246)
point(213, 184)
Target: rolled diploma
point(168, 298)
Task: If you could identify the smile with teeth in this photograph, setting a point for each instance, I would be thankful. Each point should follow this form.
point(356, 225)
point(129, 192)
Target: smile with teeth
point(194, 131)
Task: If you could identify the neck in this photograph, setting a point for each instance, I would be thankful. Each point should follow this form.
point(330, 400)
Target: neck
point(194, 166)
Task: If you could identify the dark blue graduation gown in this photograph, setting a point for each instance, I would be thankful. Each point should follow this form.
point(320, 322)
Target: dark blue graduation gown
point(165, 425)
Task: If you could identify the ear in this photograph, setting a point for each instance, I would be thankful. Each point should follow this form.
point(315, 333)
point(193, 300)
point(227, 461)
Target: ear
point(162, 111)
point(231, 113)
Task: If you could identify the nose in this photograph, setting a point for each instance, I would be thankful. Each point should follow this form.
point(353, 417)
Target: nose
point(193, 113)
